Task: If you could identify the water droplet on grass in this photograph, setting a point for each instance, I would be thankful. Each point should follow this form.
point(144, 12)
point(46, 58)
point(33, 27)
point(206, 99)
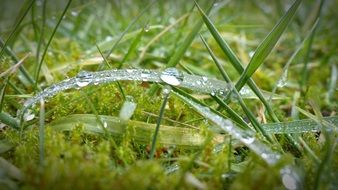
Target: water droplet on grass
point(127, 109)
point(172, 76)
point(28, 115)
point(248, 139)
point(146, 28)
point(283, 80)
point(290, 178)
point(83, 78)
point(166, 90)
point(74, 13)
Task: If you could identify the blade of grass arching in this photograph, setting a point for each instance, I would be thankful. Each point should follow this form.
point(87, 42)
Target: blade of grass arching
point(283, 77)
point(132, 48)
point(166, 92)
point(305, 72)
point(38, 67)
point(179, 53)
point(246, 110)
point(235, 62)
point(129, 26)
point(42, 131)
point(17, 24)
point(142, 131)
point(265, 48)
point(109, 66)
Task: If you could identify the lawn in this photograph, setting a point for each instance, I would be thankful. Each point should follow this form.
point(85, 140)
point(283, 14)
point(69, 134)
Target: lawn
point(161, 94)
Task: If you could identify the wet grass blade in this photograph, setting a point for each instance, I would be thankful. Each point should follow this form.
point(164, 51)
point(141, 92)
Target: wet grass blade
point(298, 126)
point(38, 68)
point(247, 111)
point(283, 77)
point(265, 48)
point(235, 61)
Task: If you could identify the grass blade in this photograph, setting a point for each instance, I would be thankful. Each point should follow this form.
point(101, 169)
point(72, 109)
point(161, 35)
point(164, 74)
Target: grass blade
point(16, 26)
point(141, 131)
point(264, 49)
point(38, 68)
point(166, 93)
point(247, 111)
point(235, 61)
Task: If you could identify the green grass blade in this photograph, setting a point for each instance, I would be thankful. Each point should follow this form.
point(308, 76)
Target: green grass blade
point(158, 122)
point(42, 33)
point(265, 48)
point(110, 67)
point(9, 120)
point(247, 111)
point(17, 24)
point(305, 71)
point(288, 63)
point(298, 126)
point(38, 68)
point(141, 131)
point(131, 48)
point(235, 61)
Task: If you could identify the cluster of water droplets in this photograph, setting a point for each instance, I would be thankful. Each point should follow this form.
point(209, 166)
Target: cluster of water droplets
point(169, 76)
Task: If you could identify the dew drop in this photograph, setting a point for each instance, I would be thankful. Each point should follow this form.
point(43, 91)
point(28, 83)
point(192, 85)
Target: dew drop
point(74, 13)
point(166, 90)
point(83, 78)
point(283, 80)
point(146, 28)
point(205, 79)
point(290, 178)
point(28, 115)
point(172, 76)
point(127, 109)
point(105, 125)
point(248, 139)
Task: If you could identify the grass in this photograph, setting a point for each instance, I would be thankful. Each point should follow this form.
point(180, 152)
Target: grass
point(81, 102)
